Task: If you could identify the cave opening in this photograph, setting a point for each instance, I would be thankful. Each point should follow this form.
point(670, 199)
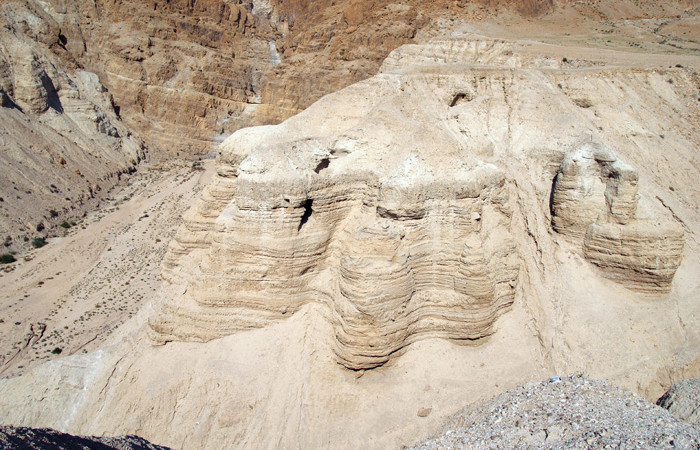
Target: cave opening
point(461, 97)
point(325, 162)
point(307, 213)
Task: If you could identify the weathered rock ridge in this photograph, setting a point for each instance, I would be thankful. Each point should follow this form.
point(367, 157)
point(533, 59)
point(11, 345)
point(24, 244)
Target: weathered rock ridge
point(400, 210)
point(61, 142)
point(594, 199)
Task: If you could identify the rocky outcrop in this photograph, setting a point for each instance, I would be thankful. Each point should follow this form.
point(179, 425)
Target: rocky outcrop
point(184, 74)
point(395, 251)
point(683, 400)
point(409, 213)
point(594, 199)
point(38, 438)
point(396, 212)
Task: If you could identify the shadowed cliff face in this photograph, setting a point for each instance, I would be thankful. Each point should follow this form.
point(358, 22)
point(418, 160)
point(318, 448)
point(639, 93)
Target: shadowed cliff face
point(184, 74)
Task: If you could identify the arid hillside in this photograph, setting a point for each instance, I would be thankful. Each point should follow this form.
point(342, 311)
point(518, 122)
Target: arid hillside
point(185, 73)
point(91, 88)
point(444, 200)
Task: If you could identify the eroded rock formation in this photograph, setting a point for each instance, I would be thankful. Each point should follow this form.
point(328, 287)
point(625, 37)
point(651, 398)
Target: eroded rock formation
point(412, 205)
point(401, 250)
point(184, 74)
point(594, 200)
point(61, 141)
point(396, 209)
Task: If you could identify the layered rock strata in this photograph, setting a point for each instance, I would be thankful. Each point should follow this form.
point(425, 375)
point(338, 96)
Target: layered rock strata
point(396, 257)
point(392, 203)
point(594, 200)
point(184, 74)
point(62, 143)
point(423, 187)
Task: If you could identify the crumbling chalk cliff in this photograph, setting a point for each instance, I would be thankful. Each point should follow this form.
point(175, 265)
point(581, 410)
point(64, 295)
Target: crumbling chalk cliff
point(402, 211)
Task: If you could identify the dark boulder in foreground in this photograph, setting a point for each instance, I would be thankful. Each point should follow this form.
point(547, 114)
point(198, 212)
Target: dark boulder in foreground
point(683, 400)
point(46, 438)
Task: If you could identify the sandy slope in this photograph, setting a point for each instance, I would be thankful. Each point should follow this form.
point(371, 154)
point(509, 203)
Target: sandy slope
point(85, 284)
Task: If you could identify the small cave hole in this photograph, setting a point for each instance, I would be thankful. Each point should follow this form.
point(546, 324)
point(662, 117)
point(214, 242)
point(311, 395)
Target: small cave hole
point(461, 97)
point(307, 213)
point(551, 196)
point(325, 162)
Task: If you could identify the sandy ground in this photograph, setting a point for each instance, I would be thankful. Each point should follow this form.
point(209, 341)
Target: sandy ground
point(68, 296)
point(574, 26)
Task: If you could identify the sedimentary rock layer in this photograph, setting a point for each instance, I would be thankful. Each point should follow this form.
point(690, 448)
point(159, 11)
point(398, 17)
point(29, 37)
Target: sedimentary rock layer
point(393, 203)
point(594, 200)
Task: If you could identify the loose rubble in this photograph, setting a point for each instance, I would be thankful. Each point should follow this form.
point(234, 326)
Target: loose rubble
point(574, 413)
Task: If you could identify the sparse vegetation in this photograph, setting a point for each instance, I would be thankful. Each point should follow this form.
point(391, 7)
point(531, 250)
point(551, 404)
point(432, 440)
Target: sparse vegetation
point(57, 351)
point(583, 103)
point(39, 242)
point(7, 258)
point(65, 224)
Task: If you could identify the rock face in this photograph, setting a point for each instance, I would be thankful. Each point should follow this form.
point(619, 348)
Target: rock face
point(572, 412)
point(594, 199)
point(395, 209)
point(683, 400)
point(62, 142)
point(33, 438)
point(410, 248)
point(185, 74)
point(405, 215)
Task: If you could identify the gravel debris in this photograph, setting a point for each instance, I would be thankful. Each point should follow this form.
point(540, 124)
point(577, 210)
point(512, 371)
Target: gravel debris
point(566, 412)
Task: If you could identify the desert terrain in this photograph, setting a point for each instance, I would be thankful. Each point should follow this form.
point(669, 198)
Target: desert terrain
point(432, 211)
point(69, 296)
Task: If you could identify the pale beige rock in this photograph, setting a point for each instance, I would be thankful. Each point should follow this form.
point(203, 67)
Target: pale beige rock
point(396, 213)
point(594, 199)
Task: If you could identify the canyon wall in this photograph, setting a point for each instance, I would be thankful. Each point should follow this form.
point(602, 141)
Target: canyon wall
point(62, 143)
point(185, 74)
point(176, 77)
point(479, 214)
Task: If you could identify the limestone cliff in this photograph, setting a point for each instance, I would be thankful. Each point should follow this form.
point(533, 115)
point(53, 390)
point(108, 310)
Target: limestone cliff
point(594, 199)
point(396, 220)
point(396, 208)
point(185, 74)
